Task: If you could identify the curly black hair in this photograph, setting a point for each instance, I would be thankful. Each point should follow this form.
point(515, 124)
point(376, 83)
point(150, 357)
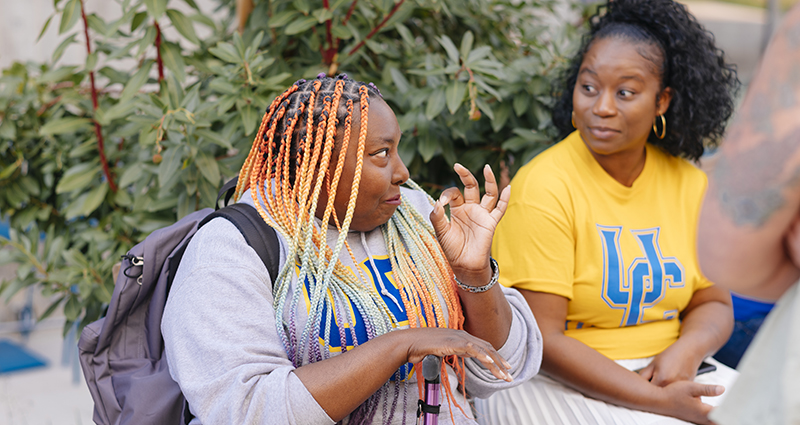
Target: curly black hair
point(703, 84)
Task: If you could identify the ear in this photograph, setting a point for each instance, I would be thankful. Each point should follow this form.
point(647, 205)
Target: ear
point(663, 100)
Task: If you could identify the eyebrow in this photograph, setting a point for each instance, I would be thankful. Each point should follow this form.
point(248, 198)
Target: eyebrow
point(632, 77)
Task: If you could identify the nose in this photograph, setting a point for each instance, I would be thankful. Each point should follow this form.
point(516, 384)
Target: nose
point(605, 105)
point(399, 171)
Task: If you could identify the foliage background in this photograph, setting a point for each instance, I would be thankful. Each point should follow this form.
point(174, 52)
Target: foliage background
point(95, 157)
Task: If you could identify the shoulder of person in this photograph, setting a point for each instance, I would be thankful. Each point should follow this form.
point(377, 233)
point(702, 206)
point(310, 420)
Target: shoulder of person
point(420, 200)
point(680, 168)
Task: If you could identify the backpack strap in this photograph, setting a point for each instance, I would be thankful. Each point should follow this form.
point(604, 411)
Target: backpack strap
point(258, 234)
point(227, 191)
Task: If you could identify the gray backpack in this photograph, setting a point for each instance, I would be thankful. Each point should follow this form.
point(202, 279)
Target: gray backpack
point(122, 354)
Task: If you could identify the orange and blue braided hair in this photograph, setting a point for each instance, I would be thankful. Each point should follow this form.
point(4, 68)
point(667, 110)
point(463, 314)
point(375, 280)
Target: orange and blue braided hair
point(288, 166)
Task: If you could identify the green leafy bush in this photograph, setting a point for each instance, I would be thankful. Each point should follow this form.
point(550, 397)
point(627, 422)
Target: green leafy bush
point(95, 157)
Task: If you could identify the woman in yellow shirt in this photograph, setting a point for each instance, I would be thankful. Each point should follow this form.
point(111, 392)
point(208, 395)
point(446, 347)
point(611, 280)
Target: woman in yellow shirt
point(599, 235)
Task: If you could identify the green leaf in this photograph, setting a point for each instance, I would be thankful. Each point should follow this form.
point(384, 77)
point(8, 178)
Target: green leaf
point(226, 52)
point(436, 103)
point(208, 167)
point(169, 165)
point(478, 54)
point(183, 25)
point(282, 18)
point(137, 20)
point(214, 138)
point(8, 131)
point(173, 59)
point(192, 4)
point(322, 15)
point(136, 82)
point(156, 8)
point(248, 118)
point(427, 146)
point(63, 46)
point(51, 308)
point(8, 170)
point(483, 106)
point(302, 6)
point(119, 110)
point(122, 198)
point(466, 43)
point(97, 24)
point(455, 95)
point(203, 19)
point(221, 85)
point(449, 47)
point(521, 103)
point(44, 28)
point(301, 24)
point(77, 177)
point(72, 309)
point(70, 15)
point(94, 199)
point(400, 80)
point(64, 125)
point(91, 61)
point(58, 74)
point(131, 174)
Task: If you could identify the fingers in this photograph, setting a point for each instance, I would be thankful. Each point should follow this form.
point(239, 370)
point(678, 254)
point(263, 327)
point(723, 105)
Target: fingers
point(441, 224)
point(502, 204)
point(491, 196)
point(491, 360)
point(703, 390)
point(647, 371)
point(472, 192)
point(446, 342)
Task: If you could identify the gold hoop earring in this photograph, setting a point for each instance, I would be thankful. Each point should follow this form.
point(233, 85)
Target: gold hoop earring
point(573, 121)
point(663, 127)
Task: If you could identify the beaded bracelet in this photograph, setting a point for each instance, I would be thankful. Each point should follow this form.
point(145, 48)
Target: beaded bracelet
point(484, 288)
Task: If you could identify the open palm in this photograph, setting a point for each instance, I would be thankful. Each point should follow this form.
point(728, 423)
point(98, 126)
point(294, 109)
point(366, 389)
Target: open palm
point(466, 238)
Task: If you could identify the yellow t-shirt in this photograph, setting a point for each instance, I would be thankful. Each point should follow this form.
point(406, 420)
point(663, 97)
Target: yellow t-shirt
point(625, 257)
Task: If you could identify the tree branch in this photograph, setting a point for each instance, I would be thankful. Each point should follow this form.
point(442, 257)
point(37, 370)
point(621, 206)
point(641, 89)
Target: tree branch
point(158, 53)
point(329, 53)
point(350, 12)
point(97, 129)
point(377, 28)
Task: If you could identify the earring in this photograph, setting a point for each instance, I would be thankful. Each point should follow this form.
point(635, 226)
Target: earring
point(663, 127)
point(573, 120)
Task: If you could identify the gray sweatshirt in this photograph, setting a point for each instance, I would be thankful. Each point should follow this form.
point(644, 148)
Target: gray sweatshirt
point(224, 351)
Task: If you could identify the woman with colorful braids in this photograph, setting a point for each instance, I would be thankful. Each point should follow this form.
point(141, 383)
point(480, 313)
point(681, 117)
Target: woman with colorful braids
point(600, 231)
point(373, 277)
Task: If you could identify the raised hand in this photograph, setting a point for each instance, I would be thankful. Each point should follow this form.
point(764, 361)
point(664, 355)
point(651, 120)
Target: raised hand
point(466, 238)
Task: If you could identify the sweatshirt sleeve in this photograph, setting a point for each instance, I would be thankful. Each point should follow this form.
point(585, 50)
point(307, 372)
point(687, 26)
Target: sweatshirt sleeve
point(523, 350)
point(221, 341)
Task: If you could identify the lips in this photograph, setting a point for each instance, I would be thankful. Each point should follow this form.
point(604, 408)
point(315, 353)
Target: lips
point(394, 200)
point(603, 133)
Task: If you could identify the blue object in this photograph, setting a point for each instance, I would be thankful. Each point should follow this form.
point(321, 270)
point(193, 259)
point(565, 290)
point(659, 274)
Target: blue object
point(748, 315)
point(4, 227)
point(745, 308)
point(14, 357)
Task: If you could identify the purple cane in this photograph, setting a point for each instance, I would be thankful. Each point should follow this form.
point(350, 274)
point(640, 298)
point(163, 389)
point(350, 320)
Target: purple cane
point(429, 408)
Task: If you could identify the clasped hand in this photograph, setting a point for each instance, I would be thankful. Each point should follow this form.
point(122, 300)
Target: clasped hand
point(466, 238)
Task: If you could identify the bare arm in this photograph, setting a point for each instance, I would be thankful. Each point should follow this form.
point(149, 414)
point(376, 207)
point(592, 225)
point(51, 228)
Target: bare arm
point(706, 324)
point(583, 368)
point(341, 383)
point(754, 183)
point(466, 240)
